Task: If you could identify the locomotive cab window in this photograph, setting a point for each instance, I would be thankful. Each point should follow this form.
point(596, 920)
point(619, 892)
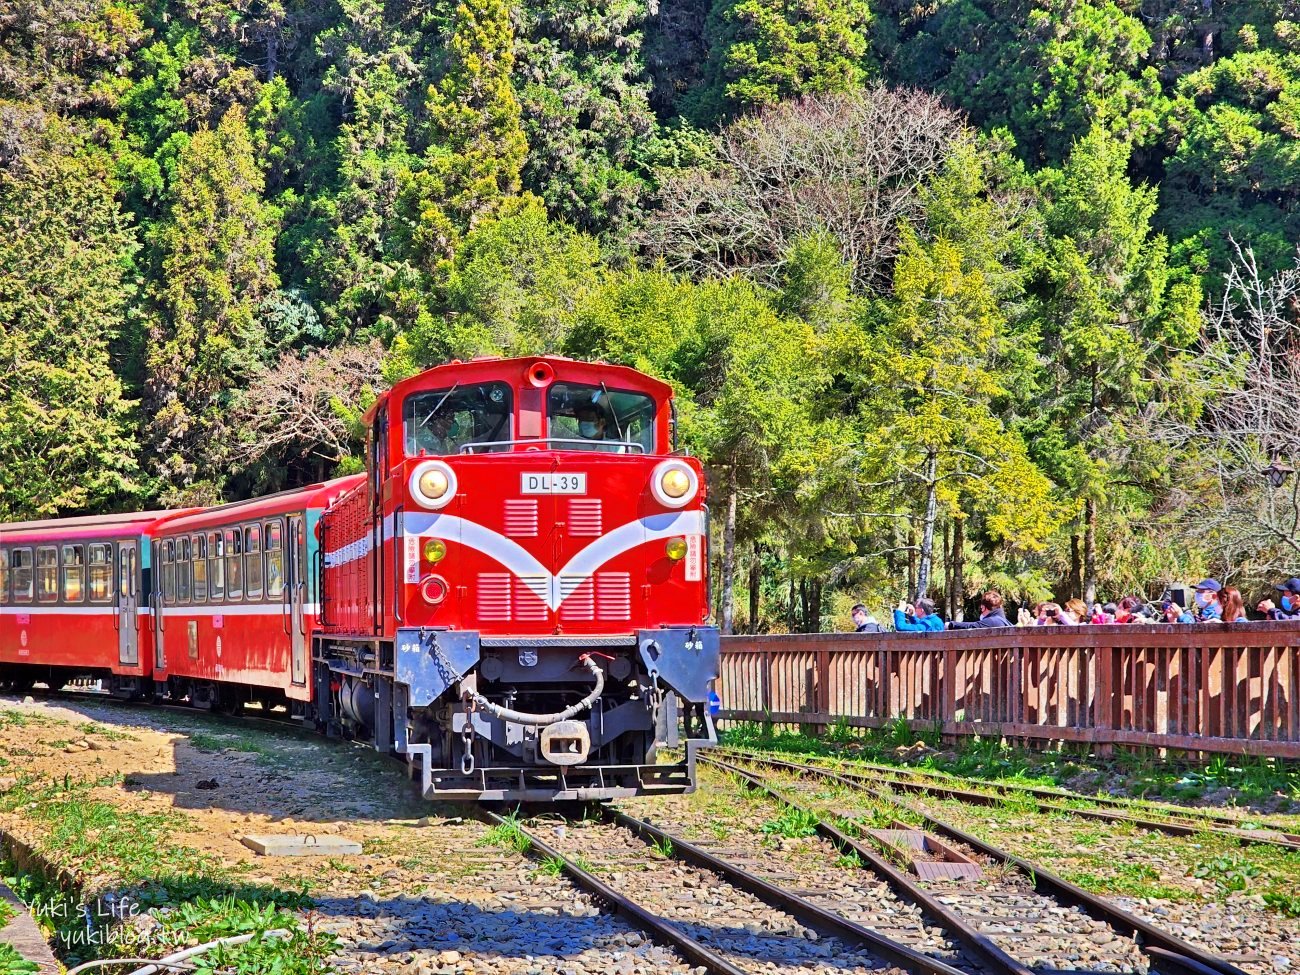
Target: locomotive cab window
point(21, 560)
point(74, 573)
point(474, 417)
point(253, 562)
point(584, 417)
point(100, 562)
point(47, 574)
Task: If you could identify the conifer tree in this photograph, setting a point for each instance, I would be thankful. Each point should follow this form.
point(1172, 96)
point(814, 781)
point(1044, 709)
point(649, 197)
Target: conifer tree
point(477, 144)
point(762, 52)
point(217, 264)
point(66, 441)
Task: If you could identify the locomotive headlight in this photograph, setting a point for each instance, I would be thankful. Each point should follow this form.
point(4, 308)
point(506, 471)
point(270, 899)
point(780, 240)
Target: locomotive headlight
point(675, 549)
point(674, 484)
point(433, 484)
point(435, 550)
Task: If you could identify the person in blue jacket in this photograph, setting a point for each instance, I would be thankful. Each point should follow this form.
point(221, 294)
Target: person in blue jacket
point(918, 619)
point(991, 614)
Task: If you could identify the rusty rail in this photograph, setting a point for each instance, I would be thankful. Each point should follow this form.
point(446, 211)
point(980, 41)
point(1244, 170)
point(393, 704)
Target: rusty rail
point(1205, 688)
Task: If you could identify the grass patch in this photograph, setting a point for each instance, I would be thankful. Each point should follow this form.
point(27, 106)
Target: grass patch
point(791, 824)
point(509, 834)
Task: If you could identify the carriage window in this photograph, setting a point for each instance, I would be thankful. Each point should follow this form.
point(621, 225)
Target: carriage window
point(274, 561)
point(74, 573)
point(199, 546)
point(22, 570)
point(445, 420)
point(126, 573)
point(182, 570)
point(47, 574)
point(169, 571)
point(4, 576)
point(597, 418)
point(101, 573)
point(234, 563)
point(253, 562)
point(216, 565)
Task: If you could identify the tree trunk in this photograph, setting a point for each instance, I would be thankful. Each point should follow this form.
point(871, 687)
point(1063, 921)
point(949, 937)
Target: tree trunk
point(815, 617)
point(927, 527)
point(1075, 584)
point(755, 582)
point(947, 569)
point(803, 605)
point(911, 564)
point(959, 568)
point(790, 609)
point(1089, 552)
point(728, 597)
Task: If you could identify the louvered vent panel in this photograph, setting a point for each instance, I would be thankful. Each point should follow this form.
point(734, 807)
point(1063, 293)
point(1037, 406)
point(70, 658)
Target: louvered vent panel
point(521, 518)
point(579, 594)
point(614, 595)
point(585, 517)
point(494, 596)
point(528, 605)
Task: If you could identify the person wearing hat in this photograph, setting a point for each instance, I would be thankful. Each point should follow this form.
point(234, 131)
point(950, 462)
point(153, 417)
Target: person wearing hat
point(1288, 603)
point(1209, 607)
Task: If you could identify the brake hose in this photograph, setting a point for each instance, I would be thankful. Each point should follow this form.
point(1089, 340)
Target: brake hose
point(523, 717)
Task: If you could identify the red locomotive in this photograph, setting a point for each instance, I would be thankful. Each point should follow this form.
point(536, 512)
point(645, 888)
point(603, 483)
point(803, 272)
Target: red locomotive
point(514, 596)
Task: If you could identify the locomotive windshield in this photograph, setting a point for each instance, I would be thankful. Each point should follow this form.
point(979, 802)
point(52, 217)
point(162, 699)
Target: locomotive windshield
point(610, 419)
point(442, 421)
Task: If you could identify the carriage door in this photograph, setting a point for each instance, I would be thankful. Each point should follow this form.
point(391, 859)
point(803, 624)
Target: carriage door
point(128, 605)
point(296, 580)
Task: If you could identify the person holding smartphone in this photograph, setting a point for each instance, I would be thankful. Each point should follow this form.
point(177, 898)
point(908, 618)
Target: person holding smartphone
point(920, 618)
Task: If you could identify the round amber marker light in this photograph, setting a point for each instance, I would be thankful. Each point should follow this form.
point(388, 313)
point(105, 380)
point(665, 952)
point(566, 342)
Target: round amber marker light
point(435, 550)
point(675, 549)
point(675, 483)
point(434, 484)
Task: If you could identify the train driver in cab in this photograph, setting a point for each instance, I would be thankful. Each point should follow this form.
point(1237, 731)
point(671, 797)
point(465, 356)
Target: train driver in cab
point(592, 419)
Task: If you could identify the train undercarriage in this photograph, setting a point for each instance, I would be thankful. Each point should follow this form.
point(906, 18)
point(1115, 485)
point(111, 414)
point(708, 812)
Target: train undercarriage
point(523, 719)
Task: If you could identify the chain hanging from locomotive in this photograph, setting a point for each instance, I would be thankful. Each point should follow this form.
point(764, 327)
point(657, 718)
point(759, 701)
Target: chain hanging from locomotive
point(517, 598)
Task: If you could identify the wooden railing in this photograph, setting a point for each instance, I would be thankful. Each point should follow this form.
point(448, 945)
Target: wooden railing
point(1207, 688)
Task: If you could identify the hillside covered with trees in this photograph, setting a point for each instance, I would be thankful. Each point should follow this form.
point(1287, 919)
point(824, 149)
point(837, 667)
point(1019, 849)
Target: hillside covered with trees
point(955, 294)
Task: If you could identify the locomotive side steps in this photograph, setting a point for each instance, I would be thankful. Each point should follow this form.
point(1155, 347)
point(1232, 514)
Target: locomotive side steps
point(1165, 952)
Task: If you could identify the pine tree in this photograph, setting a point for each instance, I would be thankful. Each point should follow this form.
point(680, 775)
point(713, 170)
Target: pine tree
point(216, 257)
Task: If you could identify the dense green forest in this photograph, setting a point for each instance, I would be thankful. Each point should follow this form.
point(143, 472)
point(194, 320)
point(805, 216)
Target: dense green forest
point(955, 294)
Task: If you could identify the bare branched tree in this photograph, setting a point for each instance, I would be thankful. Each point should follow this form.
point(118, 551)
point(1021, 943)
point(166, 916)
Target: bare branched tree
point(1237, 494)
point(305, 406)
point(851, 164)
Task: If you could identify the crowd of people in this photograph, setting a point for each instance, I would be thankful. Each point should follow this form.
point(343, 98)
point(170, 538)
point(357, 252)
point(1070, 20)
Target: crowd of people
point(1211, 602)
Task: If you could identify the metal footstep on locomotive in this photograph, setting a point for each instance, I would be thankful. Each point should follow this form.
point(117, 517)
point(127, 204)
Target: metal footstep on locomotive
point(1019, 919)
point(722, 917)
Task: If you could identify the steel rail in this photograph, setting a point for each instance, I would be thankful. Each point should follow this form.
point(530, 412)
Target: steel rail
point(1176, 951)
point(1113, 802)
point(656, 927)
point(895, 779)
point(808, 912)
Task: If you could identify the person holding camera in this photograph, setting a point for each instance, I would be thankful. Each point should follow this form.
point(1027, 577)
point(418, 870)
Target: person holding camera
point(991, 614)
point(920, 618)
point(1287, 606)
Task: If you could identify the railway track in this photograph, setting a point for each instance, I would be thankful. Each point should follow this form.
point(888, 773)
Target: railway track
point(1019, 919)
point(1177, 822)
point(717, 914)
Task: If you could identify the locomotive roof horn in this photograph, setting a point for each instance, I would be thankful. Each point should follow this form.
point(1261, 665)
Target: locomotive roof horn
point(541, 374)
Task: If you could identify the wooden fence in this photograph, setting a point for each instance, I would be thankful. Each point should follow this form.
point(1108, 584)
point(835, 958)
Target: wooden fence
point(1207, 688)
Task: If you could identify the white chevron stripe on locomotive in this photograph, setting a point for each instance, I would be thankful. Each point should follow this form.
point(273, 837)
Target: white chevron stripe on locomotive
point(522, 563)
